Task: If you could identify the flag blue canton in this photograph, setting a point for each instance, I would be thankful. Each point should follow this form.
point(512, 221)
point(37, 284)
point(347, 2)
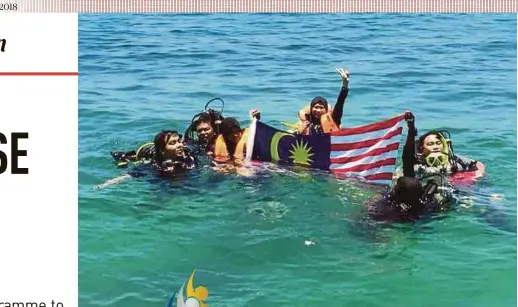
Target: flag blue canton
point(271, 144)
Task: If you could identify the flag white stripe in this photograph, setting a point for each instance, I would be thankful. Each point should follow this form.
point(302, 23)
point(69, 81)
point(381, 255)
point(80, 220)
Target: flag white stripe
point(370, 157)
point(357, 152)
point(384, 182)
point(366, 160)
point(382, 169)
point(364, 136)
point(250, 141)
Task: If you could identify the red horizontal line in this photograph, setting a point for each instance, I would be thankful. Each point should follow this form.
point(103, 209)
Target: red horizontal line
point(380, 176)
point(10, 73)
point(374, 152)
point(366, 143)
point(376, 176)
point(370, 127)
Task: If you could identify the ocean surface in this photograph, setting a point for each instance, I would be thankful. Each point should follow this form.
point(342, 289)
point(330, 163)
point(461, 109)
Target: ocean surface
point(286, 238)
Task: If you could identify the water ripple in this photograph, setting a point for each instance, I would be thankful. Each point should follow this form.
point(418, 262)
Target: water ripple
point(140, 239)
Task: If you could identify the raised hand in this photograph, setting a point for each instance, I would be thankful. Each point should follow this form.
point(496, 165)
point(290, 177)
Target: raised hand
point(255, 113)
point(409, 117)
point(345, 76)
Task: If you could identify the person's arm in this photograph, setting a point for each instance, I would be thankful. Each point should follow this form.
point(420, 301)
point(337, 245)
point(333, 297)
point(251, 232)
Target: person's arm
point(135, 172)
point(481, 169)
point(113, 181)
point(340, 101)
point(409, 149)
point(302, 127)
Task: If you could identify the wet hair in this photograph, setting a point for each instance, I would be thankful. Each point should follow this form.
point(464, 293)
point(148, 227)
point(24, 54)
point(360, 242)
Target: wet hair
point(408, 190)
point(205, 118)
point(424, 136)
point(228, 125)
point(160, 142)
point(211, 117)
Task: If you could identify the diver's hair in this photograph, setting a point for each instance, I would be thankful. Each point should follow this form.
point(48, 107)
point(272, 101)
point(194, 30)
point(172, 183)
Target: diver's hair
point(211, 117)
point(408, 190)
point(160, 141)
point(228, 124)
point(226, 127)
point(424, 136)
point(205, 118)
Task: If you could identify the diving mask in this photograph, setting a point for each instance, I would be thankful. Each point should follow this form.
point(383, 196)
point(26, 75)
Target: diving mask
point(436, 159)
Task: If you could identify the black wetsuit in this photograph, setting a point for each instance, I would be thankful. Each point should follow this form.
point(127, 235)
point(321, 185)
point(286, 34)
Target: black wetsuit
point(389, 208)
point(123, 159)
point(200, 149)
point(168, 168)
point(421, 170)
point(315, 126)
point(147, 153)
point(458, 164)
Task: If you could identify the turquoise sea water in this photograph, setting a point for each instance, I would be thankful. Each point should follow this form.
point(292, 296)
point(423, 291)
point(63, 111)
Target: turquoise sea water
point(139, 241)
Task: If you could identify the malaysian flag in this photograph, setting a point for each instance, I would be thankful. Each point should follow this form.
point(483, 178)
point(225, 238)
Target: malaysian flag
point(367, 152)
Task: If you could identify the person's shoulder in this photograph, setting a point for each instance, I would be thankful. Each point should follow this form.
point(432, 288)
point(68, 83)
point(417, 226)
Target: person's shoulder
point(466, 163)
point(463, 158)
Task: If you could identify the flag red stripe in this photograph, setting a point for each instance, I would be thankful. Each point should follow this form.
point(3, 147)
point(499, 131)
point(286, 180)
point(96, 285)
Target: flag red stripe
point(367, 143)
point(370, 127)
point(375, 152)
point(379, 176)
point(364, 167)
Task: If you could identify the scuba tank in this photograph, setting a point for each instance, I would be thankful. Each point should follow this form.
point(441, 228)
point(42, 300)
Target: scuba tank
point(143, 153)
point(147, 151)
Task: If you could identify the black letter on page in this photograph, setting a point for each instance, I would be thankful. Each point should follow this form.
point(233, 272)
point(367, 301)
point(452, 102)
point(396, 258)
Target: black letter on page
point(15, 153)
point(3, 156)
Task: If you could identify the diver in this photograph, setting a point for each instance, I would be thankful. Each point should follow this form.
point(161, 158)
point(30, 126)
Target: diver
point(204, 129)
point(409, 199)
point(170, 159)
point(435, 155)
point(319, 117)
point(199, 138)
point(231, 144)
